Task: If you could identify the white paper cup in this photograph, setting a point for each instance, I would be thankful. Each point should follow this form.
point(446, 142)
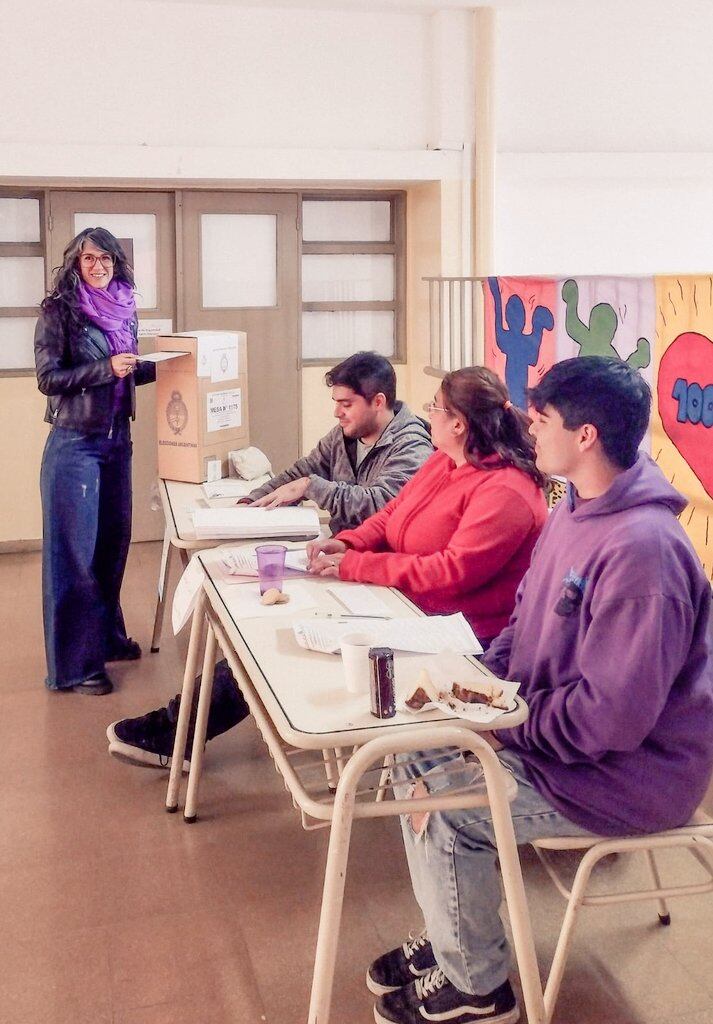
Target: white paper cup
point(355, 656)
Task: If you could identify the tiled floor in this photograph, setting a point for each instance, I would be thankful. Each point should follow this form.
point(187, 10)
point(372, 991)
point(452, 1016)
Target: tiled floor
point(113, 912)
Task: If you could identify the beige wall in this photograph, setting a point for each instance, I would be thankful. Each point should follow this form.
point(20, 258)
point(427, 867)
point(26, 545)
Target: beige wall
point(424, 260)
point(317, 407)
point(23, 434)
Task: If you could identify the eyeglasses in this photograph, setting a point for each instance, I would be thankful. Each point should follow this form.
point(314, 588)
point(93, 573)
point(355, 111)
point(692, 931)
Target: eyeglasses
point(89, 261)
point(430, 407)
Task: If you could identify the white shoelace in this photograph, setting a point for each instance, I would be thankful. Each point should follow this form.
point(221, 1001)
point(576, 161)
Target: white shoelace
point(430, 983)
point(414, 943)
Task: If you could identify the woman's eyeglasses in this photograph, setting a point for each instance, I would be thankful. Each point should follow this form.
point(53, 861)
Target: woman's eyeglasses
point(89, 261)
point(430, 407)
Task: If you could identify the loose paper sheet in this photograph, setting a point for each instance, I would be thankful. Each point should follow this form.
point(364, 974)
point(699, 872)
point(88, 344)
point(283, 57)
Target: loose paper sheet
point(244, 521)
point(428, 635)
point(151, 328)
point(224, 409)
point(244, 602)
point(224, 363)
point(359, 600)
point(243, 561)
point(160, 357)
point(186, 594)
point(230, 487)
point(208, 343)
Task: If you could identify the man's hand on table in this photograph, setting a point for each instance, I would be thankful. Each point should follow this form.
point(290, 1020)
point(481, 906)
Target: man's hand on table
point(288, 494)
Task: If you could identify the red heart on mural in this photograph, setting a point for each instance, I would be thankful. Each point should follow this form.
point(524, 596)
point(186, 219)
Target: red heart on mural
point(688, 358)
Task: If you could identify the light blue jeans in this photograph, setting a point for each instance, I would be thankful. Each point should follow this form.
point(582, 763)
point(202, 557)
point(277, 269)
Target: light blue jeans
point(452, 865)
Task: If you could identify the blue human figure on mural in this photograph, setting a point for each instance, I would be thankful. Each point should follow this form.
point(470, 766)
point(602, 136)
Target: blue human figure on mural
point(520, 350)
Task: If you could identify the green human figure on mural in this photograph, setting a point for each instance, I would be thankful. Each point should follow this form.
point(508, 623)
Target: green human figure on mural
point(596, 338)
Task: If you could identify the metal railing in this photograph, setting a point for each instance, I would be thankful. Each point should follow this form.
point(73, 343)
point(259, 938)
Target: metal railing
point(455, 307)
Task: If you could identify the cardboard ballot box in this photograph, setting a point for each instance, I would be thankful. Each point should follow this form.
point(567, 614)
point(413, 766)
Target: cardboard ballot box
point(201, 402)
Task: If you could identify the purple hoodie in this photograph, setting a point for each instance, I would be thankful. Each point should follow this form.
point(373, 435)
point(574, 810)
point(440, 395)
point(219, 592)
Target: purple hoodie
point(609, 638)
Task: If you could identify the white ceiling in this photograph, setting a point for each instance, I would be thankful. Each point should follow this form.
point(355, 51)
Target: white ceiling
point(426, 6)
point(387, 5)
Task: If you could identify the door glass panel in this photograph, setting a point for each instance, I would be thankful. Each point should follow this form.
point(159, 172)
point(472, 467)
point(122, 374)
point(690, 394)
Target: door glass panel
point(17, 342)
point(346, 221)
point(347, 278)
point(19, 220)
point(239, 260)
point(137, 234)
point(334, 335)
point(22, 280)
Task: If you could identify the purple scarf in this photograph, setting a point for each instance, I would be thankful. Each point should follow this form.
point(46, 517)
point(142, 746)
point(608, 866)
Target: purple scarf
point(112, 309)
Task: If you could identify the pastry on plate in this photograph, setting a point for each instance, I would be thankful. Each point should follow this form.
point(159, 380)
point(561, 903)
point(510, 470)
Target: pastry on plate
point(487, 693)
point(425, 692)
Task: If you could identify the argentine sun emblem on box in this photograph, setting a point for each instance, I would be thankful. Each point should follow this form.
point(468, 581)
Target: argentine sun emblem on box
point(176, 413)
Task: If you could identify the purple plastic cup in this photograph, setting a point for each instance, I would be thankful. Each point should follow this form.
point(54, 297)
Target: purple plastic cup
point(270, 566)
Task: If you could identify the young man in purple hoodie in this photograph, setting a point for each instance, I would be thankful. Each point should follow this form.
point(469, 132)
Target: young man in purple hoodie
point(609, 640)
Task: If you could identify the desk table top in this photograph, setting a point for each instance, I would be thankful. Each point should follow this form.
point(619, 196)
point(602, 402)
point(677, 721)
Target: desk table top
point(304, 692)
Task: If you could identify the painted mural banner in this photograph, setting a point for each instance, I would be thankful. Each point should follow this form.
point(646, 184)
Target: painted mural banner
point(662, 326)
point(682, 442)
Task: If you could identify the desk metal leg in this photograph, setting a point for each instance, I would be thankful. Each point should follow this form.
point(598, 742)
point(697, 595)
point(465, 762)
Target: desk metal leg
point(515, 897)
point(163, 572)
point(332, 898)
point(184, 712)
point(199, 733)
point(337, 857)
point(330, 769)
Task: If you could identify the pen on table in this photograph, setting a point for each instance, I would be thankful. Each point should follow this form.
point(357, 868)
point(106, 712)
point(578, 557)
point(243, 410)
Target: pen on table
point(353, 615)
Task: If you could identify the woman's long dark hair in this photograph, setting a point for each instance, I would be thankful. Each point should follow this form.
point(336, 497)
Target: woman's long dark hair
point(67, 277)
point(495, 427)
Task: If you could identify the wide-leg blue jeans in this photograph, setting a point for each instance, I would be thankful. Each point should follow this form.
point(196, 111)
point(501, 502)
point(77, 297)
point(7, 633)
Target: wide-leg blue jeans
point(85, 483)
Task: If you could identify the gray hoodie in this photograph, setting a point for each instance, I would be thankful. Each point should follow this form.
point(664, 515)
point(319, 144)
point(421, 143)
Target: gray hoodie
point(352, 494)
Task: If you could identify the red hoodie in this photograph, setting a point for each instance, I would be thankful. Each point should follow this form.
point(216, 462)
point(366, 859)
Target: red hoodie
point(454, 539)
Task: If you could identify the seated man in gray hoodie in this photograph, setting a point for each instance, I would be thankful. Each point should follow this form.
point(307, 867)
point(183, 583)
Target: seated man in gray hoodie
point(353, 472)
point(362, 463)
point(609, 640)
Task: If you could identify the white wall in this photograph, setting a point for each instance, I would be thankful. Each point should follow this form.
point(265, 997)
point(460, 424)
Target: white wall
point(149, 89)
point(159, 74)
point(605, 139)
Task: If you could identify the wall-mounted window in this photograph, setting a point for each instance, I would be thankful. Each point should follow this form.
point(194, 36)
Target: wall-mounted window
point(22, 278)
point(353, 276)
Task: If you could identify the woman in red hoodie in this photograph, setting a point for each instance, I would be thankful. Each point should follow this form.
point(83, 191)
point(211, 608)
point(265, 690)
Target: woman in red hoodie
point(459, 535)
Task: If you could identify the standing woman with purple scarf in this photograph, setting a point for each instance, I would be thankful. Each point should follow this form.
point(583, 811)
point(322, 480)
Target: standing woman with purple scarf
point(87, 365)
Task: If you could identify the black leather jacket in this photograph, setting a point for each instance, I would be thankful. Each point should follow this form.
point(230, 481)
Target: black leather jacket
point(73, 363)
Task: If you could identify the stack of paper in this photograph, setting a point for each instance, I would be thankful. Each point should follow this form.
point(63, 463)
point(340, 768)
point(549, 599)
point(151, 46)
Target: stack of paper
point(231, 487)
point(431, 634)
point(244, 521)
point(243, 562)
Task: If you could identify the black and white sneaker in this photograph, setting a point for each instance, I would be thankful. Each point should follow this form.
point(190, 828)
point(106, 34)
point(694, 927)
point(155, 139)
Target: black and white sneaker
point(434, 998)
point(413, 959)
point(148, 740)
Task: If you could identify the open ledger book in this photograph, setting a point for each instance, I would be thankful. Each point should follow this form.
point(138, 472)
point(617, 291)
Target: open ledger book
point(247, 522)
